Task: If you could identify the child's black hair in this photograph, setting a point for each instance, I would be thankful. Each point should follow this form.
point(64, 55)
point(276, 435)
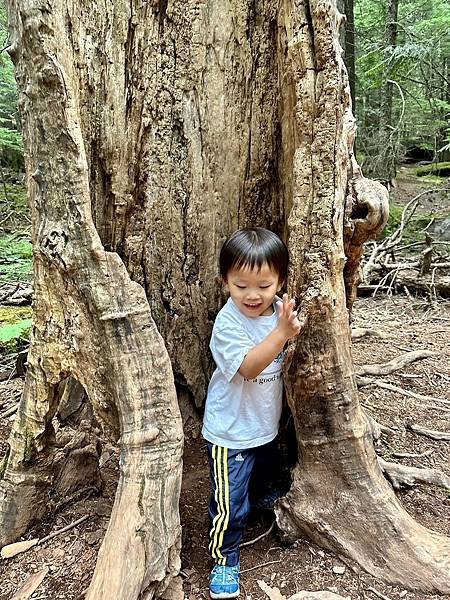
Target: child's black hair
point(254, 247)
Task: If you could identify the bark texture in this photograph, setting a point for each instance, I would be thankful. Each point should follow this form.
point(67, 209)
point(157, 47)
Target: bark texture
point(93, 323)
point(339, 497)
point(153, 130)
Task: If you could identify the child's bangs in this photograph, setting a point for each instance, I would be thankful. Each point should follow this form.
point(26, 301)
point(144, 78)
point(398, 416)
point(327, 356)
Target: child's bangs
point(255, 257)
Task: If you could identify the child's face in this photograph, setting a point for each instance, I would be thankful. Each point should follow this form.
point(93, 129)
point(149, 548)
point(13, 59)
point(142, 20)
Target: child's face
point(253, 290)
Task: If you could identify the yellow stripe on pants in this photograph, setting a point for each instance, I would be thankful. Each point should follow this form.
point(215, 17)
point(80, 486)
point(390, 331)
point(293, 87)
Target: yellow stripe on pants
point(220, 522)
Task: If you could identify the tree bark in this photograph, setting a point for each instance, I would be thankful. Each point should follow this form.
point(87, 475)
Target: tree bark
point(92, 322)
point(339, 497)
point(152, 131)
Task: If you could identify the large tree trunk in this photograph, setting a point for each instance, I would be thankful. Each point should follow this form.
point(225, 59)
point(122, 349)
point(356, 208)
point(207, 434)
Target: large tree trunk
point(339, 497)
point(152, 131)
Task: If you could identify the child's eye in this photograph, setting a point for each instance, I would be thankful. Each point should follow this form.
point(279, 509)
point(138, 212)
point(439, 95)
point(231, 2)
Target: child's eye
point(241, 287)
point(264, 287)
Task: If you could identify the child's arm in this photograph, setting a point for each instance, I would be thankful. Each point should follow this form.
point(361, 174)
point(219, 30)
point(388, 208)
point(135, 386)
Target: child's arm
point(259, 357)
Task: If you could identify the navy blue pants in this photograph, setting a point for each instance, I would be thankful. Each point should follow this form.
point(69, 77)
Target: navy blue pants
point(237, 478)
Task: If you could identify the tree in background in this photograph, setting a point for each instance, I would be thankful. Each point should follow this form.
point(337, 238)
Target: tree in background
point(11, 147)
point(402, 82)
point(153, 130)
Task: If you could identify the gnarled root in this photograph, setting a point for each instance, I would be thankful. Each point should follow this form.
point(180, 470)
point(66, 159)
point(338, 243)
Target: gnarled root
point(403, 475)
point(349, 507)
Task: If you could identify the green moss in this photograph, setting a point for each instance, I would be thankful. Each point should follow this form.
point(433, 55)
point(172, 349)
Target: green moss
point(15, 328)
point(13, 314)
point(16, 254)
point(442, 169)
point(413, 230)
point(433, 180)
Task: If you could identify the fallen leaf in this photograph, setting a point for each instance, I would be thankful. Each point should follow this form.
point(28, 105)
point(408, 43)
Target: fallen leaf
point(272, 593)
point(12, 549)
point(30, 585)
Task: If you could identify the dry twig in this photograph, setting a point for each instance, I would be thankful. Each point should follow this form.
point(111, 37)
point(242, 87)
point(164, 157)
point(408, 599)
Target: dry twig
point(430, 433)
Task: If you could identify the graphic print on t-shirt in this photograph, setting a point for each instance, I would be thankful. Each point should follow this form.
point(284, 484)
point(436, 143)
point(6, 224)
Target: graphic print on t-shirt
point(271, 373)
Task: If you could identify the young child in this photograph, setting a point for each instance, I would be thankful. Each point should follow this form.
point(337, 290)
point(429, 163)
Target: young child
point(243, 405)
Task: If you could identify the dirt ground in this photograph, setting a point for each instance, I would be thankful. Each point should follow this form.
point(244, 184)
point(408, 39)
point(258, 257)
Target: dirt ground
point(405, 324)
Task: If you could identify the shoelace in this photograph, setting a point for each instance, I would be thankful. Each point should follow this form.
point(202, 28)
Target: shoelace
point(224, 575)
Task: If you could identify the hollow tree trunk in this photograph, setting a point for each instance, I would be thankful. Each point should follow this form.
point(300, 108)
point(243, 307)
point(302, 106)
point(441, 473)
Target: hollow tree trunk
point(153, 130)
point(339, 497)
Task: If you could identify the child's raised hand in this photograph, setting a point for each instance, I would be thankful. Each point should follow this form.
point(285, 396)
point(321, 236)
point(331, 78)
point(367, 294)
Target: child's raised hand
point(288, 325)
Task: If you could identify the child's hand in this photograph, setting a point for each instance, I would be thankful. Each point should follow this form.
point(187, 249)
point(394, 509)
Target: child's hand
point(288, 325)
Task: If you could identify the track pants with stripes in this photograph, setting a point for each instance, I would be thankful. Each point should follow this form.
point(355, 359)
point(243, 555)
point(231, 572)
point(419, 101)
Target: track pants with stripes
point(236, 477)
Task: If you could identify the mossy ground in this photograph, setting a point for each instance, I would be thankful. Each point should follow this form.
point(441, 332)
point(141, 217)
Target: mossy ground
point(15, 327)
point(15, 244)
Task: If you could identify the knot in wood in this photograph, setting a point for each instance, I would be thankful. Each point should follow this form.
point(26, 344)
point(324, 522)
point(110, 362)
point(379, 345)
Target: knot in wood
point(135, 439)
point(54, 246)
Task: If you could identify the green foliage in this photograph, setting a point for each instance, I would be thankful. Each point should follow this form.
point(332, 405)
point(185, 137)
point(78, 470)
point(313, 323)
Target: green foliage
point(11, 147)
point(15, 259)
point(419, 64)
point(15, 327)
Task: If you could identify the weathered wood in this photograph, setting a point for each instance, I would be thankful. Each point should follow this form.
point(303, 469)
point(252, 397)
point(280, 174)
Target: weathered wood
point(92, 322)
point(153, 130)
point(395, 364)
point(402, 475)
point(339, 497)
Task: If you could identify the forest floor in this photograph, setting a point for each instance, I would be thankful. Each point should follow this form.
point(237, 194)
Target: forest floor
point(405, 324)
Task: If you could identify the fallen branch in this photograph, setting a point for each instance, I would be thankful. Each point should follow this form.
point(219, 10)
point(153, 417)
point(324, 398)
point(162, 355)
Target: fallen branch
point(401, 475)
point(395, 364)
point(430, 433)
point(414, 265)
point(260, 537)
point(271, 562)
point(413, 454)
point(18, 547)
point(377, 593)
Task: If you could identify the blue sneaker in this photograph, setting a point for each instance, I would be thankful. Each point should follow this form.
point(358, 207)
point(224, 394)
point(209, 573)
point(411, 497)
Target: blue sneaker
point(224, 582)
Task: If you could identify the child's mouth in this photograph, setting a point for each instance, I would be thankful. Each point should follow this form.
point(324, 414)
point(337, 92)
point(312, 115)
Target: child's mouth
point(252, 306)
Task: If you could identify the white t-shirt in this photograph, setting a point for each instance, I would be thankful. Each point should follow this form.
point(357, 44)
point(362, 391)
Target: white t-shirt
point(242, 413)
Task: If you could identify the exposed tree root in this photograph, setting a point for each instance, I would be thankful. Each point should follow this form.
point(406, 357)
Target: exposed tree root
point(412, 454)
point(361, 332)
point(425, 400)
point(359, 516)
point(393, 365)
point(402, 475)
point(430, 433)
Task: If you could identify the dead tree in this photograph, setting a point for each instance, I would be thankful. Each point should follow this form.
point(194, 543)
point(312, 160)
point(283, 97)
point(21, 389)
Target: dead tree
point(152, 130)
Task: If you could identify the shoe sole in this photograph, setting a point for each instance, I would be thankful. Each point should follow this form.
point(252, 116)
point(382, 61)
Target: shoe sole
point(224, 595)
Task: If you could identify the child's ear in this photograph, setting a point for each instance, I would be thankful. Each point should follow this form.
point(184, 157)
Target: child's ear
point(224, 282)
point(281, 285)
